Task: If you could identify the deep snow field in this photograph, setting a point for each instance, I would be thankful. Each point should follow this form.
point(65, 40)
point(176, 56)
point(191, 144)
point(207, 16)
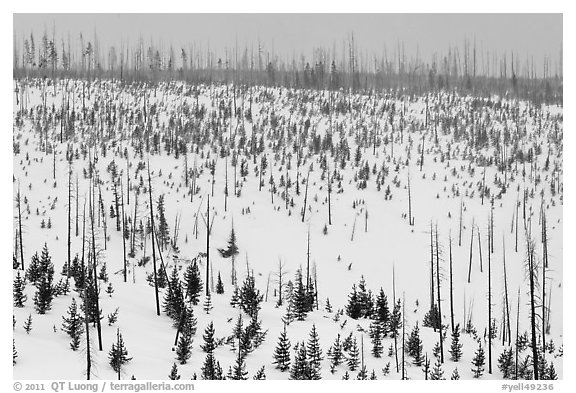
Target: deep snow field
point(356, 245)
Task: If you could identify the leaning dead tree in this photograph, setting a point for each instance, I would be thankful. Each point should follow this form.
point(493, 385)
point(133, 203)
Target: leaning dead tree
point(153, 246)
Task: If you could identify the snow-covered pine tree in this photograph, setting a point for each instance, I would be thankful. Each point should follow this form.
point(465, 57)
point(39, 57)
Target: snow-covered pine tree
point(235, 298)
point(414, 345)
point(299, 370)
point(230, 252)
point(73, 325)
point(335, 354)
point(28, 324)
point(193, 282)
point(426, 367)
point(209, 344)
point(18, 296)
point(163, 232)
point(118, 355)
point(174, 373)
point(506, 363)
point(219, 285)
point(314, 354)
point(354, 307)
point(174, 298)
point(184, 347)
point(211, 369)
point(455, 346)
point(432, 318)
point(260, 374)
point(43, 295)
point(250, 296)
point(382, 312)
point(300, 298)
point(478, 362)
point(455, 375)
point(551, 373)
point(437, 372)
point(33, 273)
point(282, 352)
point(376, 334)
point(207, 306)
point(353, 358)
point(238, 371)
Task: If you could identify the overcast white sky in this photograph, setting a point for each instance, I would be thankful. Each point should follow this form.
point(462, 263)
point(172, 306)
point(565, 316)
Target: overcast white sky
point(537, 35)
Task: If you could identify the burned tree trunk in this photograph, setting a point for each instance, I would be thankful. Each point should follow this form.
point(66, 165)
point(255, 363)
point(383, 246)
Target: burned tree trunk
point(489, 308)
point(471, 244)
point(305, 197)
point(18, 202)
point(94, 265)
point(153, 246)
point(69, 219)
point(123, 230)
point(451, 285)
point(438, 292)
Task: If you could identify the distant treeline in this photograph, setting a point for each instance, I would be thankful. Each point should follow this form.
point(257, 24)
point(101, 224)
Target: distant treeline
point(464, 70)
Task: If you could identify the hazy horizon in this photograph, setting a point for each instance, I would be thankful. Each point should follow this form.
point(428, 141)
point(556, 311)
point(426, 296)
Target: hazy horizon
point(527, 35)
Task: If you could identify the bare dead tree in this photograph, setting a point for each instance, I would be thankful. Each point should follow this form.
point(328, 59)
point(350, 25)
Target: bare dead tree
point(153, 246)
point(123, 231)
point(438, 292)
point(94, 264)
point(471, 244)
point(451, 284)
point(305, 197)
point(18, 204)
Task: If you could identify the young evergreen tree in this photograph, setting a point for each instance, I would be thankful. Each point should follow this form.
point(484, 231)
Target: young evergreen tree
point(28, 324)
point(478, 362)
point(211, 369)
point(455, 375)
point(18, 296)
point(209, 343)
point(432, 318)
point(353, 358)
point(33, 273)
point(163, 232)
point(193, 282)
point(118, 355)
point(414, 346)
point(207, 306)
point(174, 373)
point(174, 298)
point(235, 298)
point(184, 347)
point(455, 346)
point(376, 334)
point(260, 375)
point(219, 285)
point(43, 295)
point(382, 312)
point(250, 297)
point(335, 354)
point(299, 370)
point(354, 307)
point(437, 372)
point(73, 325)
point(282, 352)
point(506, 363)
point(299, 298)
point(426, 367)
point(14, 352)
point(238, 371)
point(551, 373)
point(314, 354)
